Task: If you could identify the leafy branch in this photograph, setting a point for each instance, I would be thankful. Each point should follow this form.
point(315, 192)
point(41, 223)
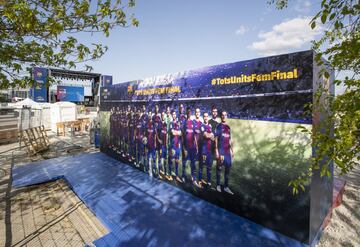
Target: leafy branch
point(336, 137)
point(41, 33)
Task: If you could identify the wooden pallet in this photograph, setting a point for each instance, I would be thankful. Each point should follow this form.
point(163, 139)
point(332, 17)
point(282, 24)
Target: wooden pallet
point(35, 139)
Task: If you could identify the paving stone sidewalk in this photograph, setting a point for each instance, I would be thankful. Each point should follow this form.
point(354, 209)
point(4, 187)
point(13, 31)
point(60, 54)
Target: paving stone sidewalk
point(48, 214)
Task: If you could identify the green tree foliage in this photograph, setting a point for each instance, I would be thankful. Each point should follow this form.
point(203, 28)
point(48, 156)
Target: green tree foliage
point(340, 45)
point(43, 33)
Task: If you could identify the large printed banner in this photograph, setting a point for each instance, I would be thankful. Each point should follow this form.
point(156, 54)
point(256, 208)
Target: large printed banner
point(227, 134)
point(70, 93)
point(39, 92)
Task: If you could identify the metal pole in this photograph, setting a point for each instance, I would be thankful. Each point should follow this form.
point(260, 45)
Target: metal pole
point(20, 127)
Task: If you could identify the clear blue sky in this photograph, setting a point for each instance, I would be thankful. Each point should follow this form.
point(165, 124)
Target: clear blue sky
point(180, 35)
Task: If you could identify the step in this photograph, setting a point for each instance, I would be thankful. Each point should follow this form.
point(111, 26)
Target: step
point(8, 126)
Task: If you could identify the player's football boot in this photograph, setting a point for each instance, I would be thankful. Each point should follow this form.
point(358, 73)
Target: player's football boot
point(218, 188)
point(169, 177)
point(197, 184)
point(178, 179)
point(227, 190)
point(154, 172)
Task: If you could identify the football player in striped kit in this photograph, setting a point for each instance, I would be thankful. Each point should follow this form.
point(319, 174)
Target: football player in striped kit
point(117, 130)
point(163, 144)
point(131, 134)
point(151, 145)
point(198, 139)
point(182, 116)
point(143, 119)
point(189, 146)
point(206, 150)
point(124, 132)
point(139, 147)
point(224, 152)
point(157, 121)
point(112, 128)
point(175, 145)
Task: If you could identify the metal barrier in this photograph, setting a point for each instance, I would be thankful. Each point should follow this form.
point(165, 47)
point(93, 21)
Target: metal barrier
point(28, 118)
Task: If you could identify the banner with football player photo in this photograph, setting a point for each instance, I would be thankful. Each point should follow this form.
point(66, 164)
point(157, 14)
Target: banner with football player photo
point(227, 134)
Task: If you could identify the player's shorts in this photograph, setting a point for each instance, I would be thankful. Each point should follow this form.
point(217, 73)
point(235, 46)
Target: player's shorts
point(132, 144)
point(198, 156)
point(225, 159)
point(139, 144)
point(158, 146)
point(121, 135)
point(175, 153)
point(151, 154)
point(207, 159)
point(163, 152)
point(190, 154)
point(128, 136)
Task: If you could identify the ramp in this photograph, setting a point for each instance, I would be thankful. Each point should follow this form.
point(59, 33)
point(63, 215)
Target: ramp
point(142, 211)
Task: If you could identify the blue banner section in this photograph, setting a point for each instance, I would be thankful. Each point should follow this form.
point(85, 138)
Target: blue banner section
point(107, 80)
point(68, 93)
point(273, 89)
point(39, 91)
point(276, 74)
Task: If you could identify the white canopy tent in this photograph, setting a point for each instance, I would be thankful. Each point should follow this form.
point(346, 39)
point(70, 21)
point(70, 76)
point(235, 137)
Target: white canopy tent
point(27, 103)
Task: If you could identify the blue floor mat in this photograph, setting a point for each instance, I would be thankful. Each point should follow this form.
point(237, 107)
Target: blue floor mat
point(142, 211)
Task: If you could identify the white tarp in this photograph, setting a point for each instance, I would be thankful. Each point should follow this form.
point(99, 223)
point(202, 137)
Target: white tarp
point(61, 112)
point(46, 115)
